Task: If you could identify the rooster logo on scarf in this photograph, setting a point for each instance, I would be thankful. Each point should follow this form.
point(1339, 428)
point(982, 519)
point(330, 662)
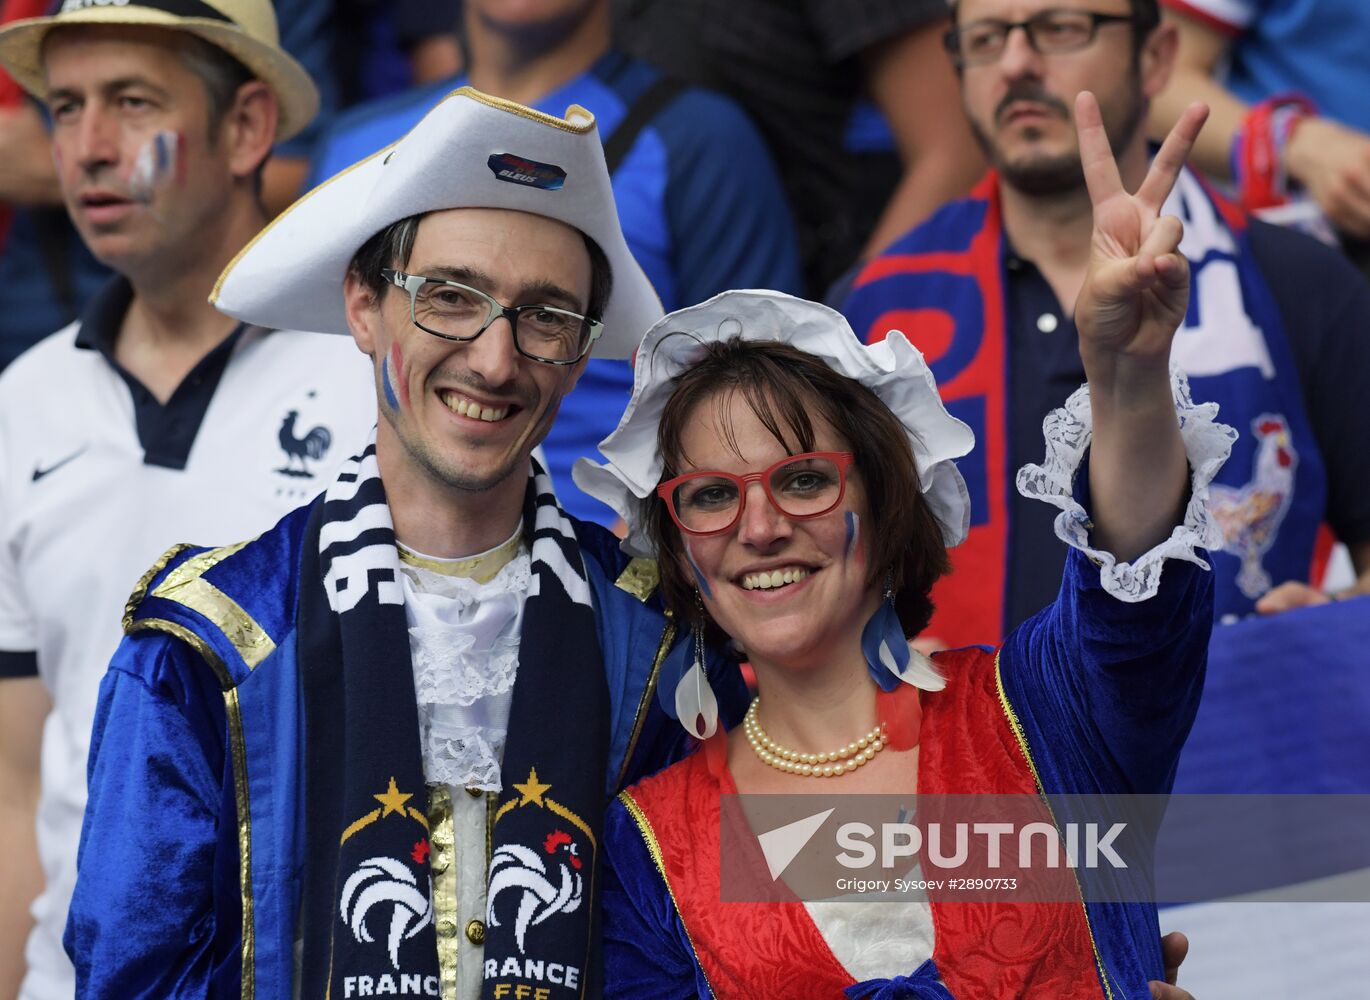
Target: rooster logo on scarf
point(385, 880)
point(383, 891)
point(537, 883)
point(516, 870)
point(1250, 516)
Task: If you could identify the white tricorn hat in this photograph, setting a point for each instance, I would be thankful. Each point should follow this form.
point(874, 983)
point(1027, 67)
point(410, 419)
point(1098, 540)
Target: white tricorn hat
point(893, 369)
point(470, 151)
point(245, 29)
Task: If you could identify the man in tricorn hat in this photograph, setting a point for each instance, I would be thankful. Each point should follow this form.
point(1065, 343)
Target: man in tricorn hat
point(385, 731)
point(155, 417)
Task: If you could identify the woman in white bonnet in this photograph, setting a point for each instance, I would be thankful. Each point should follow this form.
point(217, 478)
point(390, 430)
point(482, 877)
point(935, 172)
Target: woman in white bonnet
point(799, 491)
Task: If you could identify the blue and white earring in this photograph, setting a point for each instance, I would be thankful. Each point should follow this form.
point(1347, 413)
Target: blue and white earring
point(887, 652)
point(683, 686)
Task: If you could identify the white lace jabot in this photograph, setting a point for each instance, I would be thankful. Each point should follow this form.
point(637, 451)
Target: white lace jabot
point(464, 641)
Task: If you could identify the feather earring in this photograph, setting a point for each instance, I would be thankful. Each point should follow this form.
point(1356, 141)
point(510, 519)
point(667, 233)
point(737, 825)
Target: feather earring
point(683, 687)
point(885, 648)
point(887, 652)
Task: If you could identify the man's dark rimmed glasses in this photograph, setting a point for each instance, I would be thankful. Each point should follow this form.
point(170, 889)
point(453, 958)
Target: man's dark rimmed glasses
point(798, 486)
point(453, 311)
point(1049, 32)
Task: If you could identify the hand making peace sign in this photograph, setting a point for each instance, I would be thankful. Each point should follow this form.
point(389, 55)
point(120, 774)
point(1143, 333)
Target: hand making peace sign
point(1137, 287)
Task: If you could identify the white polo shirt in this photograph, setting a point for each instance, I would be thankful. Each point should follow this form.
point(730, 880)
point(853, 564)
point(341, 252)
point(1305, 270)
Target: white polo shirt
point(97, 479)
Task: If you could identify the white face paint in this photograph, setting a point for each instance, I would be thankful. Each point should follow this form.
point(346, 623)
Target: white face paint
point(157, 162)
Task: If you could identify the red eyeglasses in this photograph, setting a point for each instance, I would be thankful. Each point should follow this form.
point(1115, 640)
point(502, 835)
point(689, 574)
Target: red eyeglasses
point(798, 486)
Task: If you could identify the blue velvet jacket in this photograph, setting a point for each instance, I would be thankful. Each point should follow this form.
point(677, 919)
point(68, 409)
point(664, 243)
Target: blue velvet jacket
point(191, 861)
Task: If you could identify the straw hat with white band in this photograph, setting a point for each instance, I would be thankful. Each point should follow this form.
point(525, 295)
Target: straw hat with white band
point(470, 151)
point(245, 29)
point(893, 369)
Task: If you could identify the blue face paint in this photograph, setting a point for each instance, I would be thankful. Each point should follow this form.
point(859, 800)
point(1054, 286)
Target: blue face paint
point(853, 533)
point(385, 382)
point(699, 574)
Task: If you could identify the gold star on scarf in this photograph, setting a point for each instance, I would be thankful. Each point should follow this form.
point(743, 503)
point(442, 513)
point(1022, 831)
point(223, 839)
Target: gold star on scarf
point(532, 790)
point(393, 799)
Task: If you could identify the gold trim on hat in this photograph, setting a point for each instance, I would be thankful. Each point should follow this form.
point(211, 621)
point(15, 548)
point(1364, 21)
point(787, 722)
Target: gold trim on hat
point(523, 111)
point(223, 275)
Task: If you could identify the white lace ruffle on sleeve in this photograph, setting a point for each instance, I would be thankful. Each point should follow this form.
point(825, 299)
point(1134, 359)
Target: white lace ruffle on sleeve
point(464, 642)
point(1068, 432)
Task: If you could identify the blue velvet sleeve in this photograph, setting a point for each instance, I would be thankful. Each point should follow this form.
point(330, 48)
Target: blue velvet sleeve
point(646, 950)
point(1107, 690)
point(730, 223)
point(142, 920)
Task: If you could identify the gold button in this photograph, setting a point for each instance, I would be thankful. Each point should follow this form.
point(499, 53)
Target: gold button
point(475, 932)
point(447, 927)
point(441, 861)
point(475, 793)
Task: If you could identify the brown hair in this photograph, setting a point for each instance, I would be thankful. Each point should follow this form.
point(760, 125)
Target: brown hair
point(392, 246)
point(783, 386)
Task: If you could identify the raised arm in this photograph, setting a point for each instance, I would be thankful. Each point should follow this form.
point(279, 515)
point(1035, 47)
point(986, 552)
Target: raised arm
point(1133, 300)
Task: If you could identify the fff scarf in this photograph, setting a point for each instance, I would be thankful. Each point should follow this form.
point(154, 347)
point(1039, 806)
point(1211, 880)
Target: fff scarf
point(944, 286)
point(368, 923)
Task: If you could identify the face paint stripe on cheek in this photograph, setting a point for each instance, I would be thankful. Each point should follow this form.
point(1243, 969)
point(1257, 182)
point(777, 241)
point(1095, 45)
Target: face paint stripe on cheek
point(854, 537)
point(699, 574)
point(386, 386)
point(399, 374)
point(158, 160)
point(181, 164)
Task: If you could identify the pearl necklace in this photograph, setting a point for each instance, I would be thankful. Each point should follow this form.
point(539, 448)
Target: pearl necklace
point(831, 764)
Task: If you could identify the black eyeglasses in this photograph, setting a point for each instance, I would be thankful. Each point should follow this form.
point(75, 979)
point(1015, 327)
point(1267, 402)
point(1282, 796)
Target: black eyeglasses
point(453, 311)
point(1049, 32)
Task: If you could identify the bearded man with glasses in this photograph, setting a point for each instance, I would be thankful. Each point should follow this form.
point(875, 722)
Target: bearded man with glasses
point(987, 288)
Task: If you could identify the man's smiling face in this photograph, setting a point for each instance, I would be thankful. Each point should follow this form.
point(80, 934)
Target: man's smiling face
point(468, 415)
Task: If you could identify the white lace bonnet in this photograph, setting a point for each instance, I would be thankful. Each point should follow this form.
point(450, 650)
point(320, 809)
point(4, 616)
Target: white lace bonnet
point(893, 369)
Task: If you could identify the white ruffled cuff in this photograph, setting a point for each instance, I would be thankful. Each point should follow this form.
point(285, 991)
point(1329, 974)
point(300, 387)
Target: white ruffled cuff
point(1068, 432)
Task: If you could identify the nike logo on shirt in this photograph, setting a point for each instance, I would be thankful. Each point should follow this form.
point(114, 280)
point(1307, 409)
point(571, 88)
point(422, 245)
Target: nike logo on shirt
point(40, 473)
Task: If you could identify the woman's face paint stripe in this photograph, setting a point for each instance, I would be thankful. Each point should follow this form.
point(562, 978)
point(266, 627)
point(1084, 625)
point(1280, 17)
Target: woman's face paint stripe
point(853, 535)
point(702, 583)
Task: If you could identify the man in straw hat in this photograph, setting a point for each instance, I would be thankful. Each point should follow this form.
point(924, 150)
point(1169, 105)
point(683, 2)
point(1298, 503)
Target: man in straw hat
point(369, 752)
point(155, 417)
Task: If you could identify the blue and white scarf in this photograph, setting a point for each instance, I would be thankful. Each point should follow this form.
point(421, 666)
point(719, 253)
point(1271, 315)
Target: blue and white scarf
point(367, 921)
